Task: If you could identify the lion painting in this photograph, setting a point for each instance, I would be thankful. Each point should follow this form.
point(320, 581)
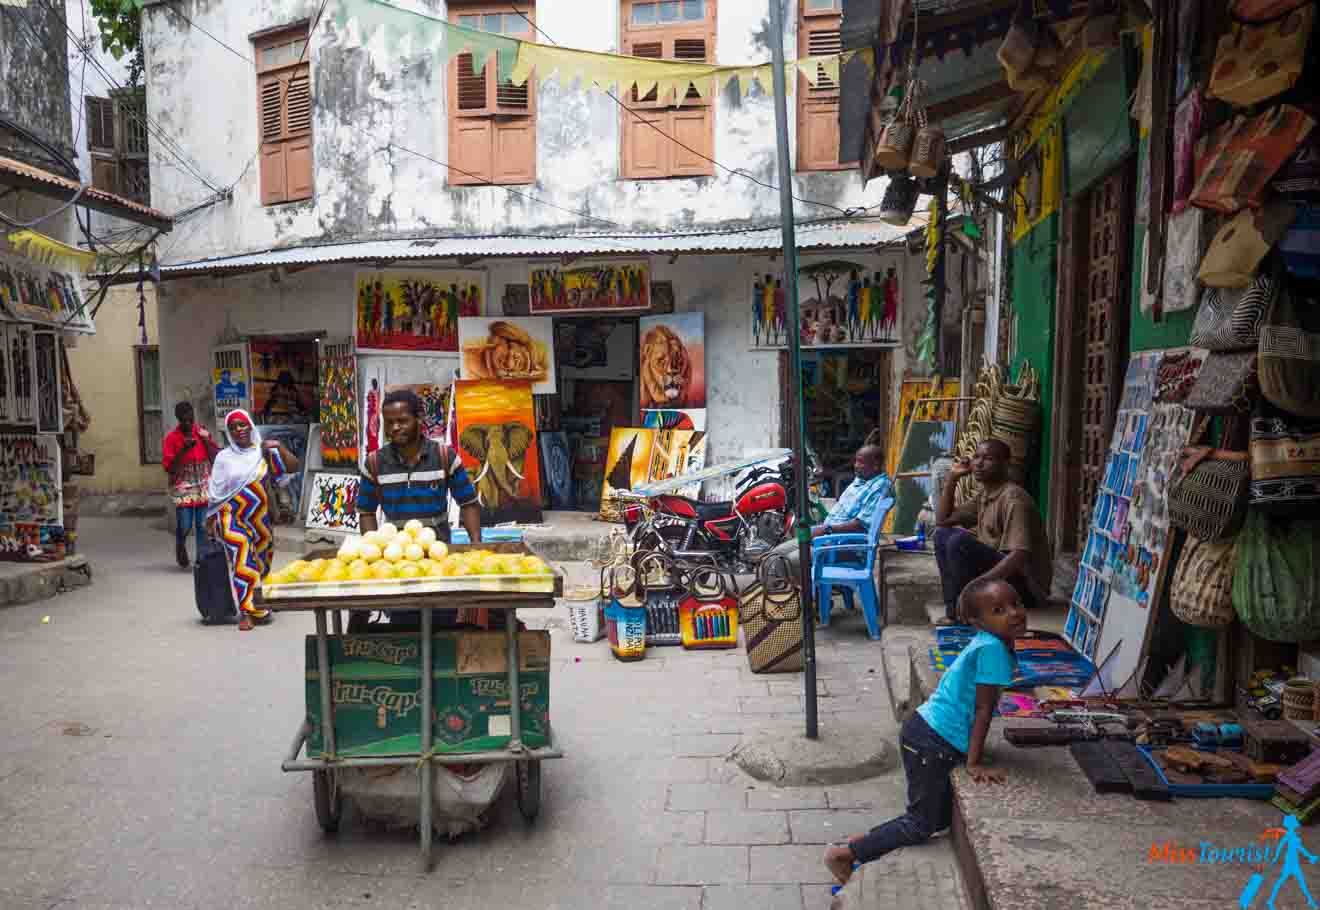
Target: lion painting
point(666, 369)
point(506, 352)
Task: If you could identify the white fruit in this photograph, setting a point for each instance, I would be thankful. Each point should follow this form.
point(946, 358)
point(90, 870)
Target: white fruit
point(413, 526)
point(413, 552)
point(393, 553)
point(437, 551)
point(350, 549)
point(370, 552)
point(425, 537)
point(374, 537)
point(389, 531)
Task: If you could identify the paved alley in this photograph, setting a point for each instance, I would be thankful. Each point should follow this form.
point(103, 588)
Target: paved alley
point(140, 767)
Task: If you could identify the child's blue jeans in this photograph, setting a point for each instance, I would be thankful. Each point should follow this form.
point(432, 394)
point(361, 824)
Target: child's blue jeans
point(928, 760)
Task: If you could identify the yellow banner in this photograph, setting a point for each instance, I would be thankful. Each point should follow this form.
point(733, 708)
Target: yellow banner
point(49, 251)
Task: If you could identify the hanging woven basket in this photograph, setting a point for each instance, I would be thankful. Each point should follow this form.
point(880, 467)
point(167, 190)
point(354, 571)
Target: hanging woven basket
point(927, 151)
point(899, 200)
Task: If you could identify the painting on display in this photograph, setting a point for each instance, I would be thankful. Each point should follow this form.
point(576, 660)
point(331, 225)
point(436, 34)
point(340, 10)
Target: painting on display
point(294, 437)
point(672, 361)
point(46, 364)
point(332, 503)
point(339, 406)
point(430, 377)
point(36, 293)
point(31, 491)
point(283, 381)
point(627, 465)
point(557, 466)
point(6, 381)
point(22, 373)
point(415, 311)
point(676, 453)
point(497, 441)
point(675, 420)
point(509, 349)
point(843, 304)
point(596, 348)
point(590, 287)
point(435, 406)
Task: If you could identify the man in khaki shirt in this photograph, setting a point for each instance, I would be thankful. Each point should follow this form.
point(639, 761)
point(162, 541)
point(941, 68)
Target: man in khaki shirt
point(1009, 543)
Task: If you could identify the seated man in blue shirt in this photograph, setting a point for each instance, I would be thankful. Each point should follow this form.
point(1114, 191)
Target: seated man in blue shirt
point(852, 514)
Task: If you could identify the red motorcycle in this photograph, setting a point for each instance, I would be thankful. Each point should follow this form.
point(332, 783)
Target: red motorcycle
point(736, 533)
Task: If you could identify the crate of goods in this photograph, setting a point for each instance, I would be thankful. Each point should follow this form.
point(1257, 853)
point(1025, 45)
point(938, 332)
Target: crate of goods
point(586, 613)
point(1275, 741)
point(376, 692)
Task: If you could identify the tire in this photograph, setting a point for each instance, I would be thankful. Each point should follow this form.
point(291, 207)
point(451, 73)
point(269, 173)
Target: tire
point(528, 783)
point(329, 802)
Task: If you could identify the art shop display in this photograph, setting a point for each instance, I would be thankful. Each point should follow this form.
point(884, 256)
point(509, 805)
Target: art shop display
point(332, 503)
point(430, 377)
point(37, 293)
point(557, 465)
point(590, 287)
point(843, 304)
point(627, 466)
point(690, 419)
point(339, 406)
point(283, 381)
point(22, 374)
point(294, 437)
point(31, 497)
point(46, 365)
point(676, 453)
point(672, 358)
point(497, 441)
point(417, 311)
point(596, 348)
point(932, 403)
point(509, 349)
point(435, 407)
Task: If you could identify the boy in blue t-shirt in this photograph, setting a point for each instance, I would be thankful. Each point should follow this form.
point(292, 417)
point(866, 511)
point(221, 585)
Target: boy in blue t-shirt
point(949, 729)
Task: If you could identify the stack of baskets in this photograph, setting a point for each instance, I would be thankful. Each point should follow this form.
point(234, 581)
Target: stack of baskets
point(1299, 699)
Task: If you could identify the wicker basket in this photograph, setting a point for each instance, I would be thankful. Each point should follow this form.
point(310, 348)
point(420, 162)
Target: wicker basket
point(1299, 699)
point(586, 613)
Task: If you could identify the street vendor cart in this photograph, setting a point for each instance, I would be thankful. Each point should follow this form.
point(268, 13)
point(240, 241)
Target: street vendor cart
point(388, 679)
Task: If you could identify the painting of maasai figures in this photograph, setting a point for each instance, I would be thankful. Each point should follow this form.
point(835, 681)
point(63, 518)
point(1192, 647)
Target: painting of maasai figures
point(497, 442)
point(627, 465)
point(590, 287)
point(842, 304)
point(557, 463)
point(672, 358)
point(332, 505)
point(402, 311)
point(511, 348)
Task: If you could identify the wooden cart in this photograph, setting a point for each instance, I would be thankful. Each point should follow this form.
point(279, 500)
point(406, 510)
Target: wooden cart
point(424, 595)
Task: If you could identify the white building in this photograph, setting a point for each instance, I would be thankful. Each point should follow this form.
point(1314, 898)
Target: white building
point(315, 148)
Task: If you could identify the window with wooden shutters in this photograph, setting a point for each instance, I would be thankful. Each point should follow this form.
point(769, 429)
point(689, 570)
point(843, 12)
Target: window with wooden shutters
point(100, 114)
point(492, 124)
point(819, 22)
point(668, 136)
point(117, 143)
point(284, 115)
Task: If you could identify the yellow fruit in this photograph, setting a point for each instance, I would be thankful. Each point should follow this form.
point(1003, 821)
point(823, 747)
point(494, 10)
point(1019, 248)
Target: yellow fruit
point(296, 566)
point(359, 570)
point(403, 538)
point(336, 571)
point(389, 531)
point(413, 526)
point(393, 553)
point(413, 552)
point(310, 573)
point(435, 569)
point(318, 564)
point(532, 565)
point(374, 537)
point(370, 552)
point(425, 565)
point(425, 537)
point(436, 549)
point(410, 570)
point(382, 570)
point(492, 565)
point(350, 549)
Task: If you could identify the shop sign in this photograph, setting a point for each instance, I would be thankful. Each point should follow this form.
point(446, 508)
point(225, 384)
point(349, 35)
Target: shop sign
point(231, 388)
point(599, 287)
point(842, 305)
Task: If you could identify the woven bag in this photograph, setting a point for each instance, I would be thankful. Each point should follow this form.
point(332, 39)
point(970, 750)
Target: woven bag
point(1016, 421)
point(1208, 490)
point(1285, 463)
point(1230, 318)
point(1235, 163)
point(894, 148)
point(1239, 246)
point(772, 624)
point(1202, 589)
point(1256, 62)
point(927, 149)
point(899, 201)
point(1276, 587)
point(1227, 384)
point(1290, 354)
point(1263, 10)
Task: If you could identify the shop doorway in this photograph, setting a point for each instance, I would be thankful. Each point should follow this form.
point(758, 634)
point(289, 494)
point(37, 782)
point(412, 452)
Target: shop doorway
point(1091, 356)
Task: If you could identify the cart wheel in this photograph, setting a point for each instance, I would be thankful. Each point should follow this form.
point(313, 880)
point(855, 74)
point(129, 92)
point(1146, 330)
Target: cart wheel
point(329, 802)
point(529, 789)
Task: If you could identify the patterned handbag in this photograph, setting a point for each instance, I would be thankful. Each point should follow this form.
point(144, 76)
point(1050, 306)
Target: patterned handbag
point(772, 624)
point(1259, 61)
point(1235, 163)
point(1230, 319)
point(1184, 250)
point(1227, 384)
point(1186, 129)
point(1263, 10)
point(1290, 353)
point(1241, 244)
point(1208, 490)
point(1202, 589)
point(1285, 463)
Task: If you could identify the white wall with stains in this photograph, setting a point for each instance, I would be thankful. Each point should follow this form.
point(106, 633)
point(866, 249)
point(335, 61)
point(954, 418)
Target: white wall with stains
point(380, 128)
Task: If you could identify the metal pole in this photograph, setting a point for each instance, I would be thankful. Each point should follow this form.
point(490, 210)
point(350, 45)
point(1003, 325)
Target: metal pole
point(777, 34)
point(425, 769)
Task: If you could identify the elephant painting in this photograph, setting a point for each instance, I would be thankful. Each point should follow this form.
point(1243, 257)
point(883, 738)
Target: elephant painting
point(501, 450)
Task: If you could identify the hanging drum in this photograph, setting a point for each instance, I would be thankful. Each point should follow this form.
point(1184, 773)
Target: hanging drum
point(927, 151)
point(899, 201)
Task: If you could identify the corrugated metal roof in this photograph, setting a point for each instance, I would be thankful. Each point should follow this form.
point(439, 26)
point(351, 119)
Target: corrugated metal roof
point(91, 196)
point(855, 234)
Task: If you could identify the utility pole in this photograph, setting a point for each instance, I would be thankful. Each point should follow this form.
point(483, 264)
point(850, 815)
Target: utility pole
point(777, 33)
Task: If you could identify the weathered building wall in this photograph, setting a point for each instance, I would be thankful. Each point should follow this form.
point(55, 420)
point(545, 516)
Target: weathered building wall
point(34, 79)
point(372, 103)
point(743, 385)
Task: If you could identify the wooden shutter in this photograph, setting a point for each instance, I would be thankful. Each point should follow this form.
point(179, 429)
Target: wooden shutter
point(284, 121)
point(651, 50)
point(100, 114)
point(692, 50)
point(818, 105)
point(514, 150)
point(645, 150)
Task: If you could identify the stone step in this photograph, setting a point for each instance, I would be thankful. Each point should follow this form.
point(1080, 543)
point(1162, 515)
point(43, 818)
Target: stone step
point(896, 657)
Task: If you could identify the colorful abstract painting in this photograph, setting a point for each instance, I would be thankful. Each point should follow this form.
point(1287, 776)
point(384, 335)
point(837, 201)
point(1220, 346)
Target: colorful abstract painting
point(509, 348)
point(691, 419)
point(675, 454)
point(588, 287)
point(672, 361)
point(497, 441)
point(627, 465)
point(401, 311)
point(339, 411)
point(332, 503)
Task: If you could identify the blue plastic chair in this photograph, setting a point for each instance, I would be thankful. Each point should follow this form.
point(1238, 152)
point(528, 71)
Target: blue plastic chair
point(829, 572)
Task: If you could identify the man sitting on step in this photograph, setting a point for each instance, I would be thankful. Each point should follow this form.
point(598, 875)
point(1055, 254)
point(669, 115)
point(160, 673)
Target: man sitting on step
point(1009, 542)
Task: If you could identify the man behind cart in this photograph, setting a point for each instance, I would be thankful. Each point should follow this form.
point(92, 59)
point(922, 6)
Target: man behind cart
point(412, 478)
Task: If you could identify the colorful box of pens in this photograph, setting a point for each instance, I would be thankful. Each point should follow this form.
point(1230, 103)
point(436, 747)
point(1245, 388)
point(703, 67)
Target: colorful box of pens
point(662, 623)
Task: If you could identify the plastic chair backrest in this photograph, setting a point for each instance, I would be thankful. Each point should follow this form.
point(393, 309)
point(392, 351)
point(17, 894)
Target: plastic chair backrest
point(876, 529)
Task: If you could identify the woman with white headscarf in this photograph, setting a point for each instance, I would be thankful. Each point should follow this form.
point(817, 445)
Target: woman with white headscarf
point(239, 508)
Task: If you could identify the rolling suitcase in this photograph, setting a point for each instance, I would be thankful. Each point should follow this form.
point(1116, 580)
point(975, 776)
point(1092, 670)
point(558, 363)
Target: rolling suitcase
point(211, 587)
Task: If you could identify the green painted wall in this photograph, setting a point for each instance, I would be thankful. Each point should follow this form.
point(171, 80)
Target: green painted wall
point(1034, 273)
point(1145, 334)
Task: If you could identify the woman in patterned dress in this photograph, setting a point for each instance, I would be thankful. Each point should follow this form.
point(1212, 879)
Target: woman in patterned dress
point(240, 508)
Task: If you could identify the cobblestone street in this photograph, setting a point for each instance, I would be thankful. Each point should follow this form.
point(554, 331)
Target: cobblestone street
point(140, 768)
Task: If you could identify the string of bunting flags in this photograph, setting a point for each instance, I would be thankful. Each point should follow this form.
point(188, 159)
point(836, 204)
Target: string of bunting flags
point(387, 28)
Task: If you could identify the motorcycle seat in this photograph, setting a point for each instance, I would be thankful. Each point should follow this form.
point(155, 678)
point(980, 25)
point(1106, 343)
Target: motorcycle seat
point(706, 511)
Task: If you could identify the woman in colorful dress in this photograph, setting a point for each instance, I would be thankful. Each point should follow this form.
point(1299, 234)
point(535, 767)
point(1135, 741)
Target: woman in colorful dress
point(240, 508)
